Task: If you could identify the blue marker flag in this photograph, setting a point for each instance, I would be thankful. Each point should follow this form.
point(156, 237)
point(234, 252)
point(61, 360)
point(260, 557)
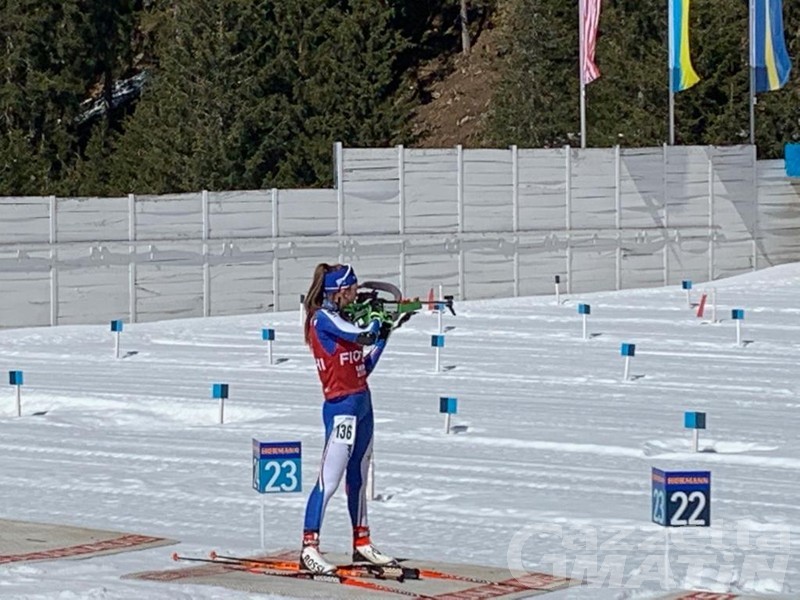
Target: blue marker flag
point(768, 55)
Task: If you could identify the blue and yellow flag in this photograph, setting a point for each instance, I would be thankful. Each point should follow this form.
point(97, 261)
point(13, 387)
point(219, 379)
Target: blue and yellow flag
point(768, 51)
point(681, 72)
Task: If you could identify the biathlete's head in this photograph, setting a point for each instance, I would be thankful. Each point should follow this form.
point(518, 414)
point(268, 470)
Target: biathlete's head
point(336, 283)
point(341, 285)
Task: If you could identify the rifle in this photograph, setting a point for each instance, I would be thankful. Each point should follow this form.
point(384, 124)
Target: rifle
point(381, 296)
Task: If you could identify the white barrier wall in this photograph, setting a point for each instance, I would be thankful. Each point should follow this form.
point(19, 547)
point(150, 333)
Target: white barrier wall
point(484, 223)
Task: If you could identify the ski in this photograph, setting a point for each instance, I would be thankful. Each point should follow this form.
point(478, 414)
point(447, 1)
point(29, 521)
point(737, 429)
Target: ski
point(395, 572)
point(350, 574)
point(341, 579)
point(433, 574)
point(425, 573)
point(271, 571)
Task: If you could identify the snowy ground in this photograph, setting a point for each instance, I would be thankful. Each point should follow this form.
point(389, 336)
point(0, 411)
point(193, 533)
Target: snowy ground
point(550, 470)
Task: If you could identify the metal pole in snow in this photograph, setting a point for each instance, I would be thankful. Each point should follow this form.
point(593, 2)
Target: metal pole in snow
point(440, 310)
point(686, 284)
point(220, 390)
point(713, 305)
point(448, 406)
point(695, 421)
point(116, 329)
point(585, 310)
point(437, 341)
point(268, 335)
point(302, 310)
point(666, 558)
point(627, 350)
point(371, 478)
point(737, 314)
point(15, 378)
point(263, 522)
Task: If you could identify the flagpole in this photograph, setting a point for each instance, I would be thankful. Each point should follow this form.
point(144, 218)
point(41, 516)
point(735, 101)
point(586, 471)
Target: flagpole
point(670, 50)
point(671, 116)
point(581, 52)
point(752, 72)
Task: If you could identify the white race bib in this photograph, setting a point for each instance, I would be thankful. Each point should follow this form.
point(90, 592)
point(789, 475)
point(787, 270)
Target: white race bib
point(344, 429)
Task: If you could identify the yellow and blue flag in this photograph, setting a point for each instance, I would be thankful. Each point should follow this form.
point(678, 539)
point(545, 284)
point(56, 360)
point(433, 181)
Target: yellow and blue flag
point(768, 52)
point(681, 73)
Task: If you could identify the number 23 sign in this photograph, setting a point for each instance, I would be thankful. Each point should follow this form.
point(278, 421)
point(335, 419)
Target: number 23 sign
point(681, 499)
point(277, 467)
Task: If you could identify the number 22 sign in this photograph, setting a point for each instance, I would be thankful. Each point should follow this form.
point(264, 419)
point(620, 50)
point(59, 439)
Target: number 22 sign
point(681, 499)
point(277, 467)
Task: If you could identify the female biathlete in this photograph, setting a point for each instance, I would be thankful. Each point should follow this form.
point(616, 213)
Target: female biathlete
point(343, 365)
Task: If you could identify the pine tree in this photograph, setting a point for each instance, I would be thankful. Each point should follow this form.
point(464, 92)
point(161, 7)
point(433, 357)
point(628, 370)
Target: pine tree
point(187, 132)
point(629, 104)
point(341, 60)
point(40, 92)
point(55, 54)
point(253, 94)
point(110, 35)
point(536, 101)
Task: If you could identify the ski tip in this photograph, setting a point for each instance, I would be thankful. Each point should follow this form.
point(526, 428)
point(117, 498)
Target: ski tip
point(212, 555)
point(175, 556)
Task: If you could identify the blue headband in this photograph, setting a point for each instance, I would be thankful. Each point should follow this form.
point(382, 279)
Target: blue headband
point(340, 278)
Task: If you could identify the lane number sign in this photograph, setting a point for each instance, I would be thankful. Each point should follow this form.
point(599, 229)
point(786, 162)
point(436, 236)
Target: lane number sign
point(277, 467)
point(681, 498)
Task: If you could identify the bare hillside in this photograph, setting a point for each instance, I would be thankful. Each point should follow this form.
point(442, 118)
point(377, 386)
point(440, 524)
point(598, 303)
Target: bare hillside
point(459, 92)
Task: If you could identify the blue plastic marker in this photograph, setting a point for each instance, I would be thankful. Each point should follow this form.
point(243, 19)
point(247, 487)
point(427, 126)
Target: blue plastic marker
point(268, 335)
point(15, 379)
point(448, 406)
point(437, 341)
point(737, 314)
point(686, 284)
point(220, 390)
point(116, 329)
point(695, 421)
point(628, 351)
point(585, 310)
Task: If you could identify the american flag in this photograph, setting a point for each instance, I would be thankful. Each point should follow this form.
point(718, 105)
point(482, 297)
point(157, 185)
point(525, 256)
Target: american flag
point(590, 17)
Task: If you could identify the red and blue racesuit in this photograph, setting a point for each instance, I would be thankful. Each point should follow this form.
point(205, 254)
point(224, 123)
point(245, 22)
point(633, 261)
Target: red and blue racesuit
point(343, 366)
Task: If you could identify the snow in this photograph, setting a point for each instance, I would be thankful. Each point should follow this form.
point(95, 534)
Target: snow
point(549, 468)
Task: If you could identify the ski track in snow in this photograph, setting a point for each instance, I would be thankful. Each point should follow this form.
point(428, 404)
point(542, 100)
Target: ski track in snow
point(549, 434)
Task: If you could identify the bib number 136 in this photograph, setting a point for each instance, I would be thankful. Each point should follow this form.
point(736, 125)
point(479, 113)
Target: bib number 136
point(344, 429)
